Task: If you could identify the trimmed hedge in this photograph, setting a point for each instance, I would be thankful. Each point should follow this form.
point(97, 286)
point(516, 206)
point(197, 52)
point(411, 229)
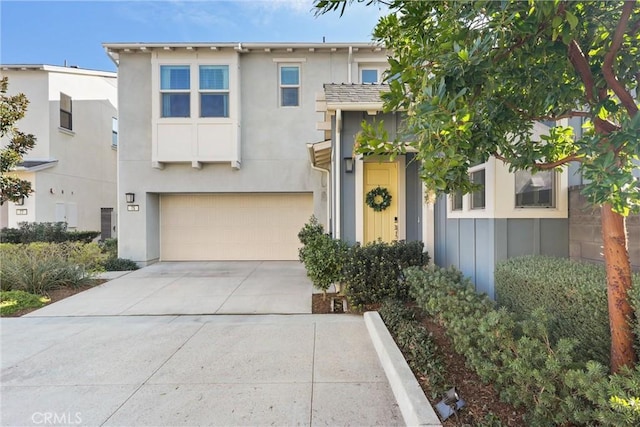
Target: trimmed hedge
point(51, 232)
point(572, 295)
point(373, 273)
point(518, 357)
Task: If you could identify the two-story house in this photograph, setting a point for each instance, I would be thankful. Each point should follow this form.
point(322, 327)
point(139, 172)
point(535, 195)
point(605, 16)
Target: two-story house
point(72, 168)
point(213, 155)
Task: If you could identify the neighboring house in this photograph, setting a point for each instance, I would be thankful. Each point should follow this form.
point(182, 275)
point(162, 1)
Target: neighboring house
point(72, 168)
point(213, 158)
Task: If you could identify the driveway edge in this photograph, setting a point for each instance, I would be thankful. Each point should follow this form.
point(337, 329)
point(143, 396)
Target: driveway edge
point(416, 409)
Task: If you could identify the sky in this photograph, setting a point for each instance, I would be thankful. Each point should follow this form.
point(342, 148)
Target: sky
point(53, 31)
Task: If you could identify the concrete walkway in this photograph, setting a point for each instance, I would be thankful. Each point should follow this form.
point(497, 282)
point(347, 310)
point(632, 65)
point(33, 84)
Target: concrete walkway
point(100, 358)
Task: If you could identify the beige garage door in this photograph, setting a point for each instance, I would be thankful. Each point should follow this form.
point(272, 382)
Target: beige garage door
point(232, 226)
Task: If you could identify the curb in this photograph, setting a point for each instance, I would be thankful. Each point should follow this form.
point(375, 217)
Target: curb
point(416, 409)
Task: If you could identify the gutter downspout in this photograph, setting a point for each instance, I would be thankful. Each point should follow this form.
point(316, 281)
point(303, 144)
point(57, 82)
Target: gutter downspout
point(329, 198)
point(338, 173)
point(350, 60)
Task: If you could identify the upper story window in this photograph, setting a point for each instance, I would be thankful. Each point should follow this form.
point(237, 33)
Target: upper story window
point(214, 91)
point(478, 198)
point(289, 85)
point(369, 75)
point(114, 131)
point(175, 84)
point(535, 190)
point(66, 117)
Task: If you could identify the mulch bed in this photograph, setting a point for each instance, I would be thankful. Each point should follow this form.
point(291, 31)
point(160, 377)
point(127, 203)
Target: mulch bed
point(481, 399)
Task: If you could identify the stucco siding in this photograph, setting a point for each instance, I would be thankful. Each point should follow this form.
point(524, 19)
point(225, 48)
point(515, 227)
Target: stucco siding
point(83, 179)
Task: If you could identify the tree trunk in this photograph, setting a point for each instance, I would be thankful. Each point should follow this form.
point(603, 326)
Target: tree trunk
point(616, 258)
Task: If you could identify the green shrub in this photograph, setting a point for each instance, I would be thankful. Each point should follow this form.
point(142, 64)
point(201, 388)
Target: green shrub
point(120, 264)
point(323, 257)
point(14, 301)
point(51, 232)
point(373, 273)
point(40, 267)
point(517, 355)
point(558, 286)
point(110, 247)
point(415, 342)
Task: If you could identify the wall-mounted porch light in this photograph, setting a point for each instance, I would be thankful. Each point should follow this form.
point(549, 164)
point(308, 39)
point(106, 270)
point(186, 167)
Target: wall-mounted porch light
point(348, 164)
point(20, 201)
point(130, 197)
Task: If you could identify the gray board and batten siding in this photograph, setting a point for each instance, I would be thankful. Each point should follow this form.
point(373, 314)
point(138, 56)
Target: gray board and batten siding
point(475, 245)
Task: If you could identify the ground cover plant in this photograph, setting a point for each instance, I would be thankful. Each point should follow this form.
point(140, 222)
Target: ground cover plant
point(12, 302)
point(516, 354)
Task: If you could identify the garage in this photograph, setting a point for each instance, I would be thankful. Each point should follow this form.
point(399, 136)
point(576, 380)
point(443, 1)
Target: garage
point(233, 226)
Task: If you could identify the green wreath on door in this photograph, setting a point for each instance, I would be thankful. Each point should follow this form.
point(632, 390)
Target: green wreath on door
point(378, 199)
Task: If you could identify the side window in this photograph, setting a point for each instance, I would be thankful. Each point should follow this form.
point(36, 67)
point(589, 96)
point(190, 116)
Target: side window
point(66, 116)
point(214, 90)
point(369, 75)
point(175, 90)
point(289, 85)
point(535, 190)
point(478, 197)
point(456, 201)
point(114, 131)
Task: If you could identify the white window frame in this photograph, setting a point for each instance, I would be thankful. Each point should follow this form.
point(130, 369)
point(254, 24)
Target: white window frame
point(175, 91)
point(214, 92)
point(114, 132)
point(67, 112)
point(480, 168)
point(282, 86)
point(553, 188)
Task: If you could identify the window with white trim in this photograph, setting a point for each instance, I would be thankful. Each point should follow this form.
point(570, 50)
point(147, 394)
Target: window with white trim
point(478, 198)
point(535, 190)
point(66, 116)
point(289, 85)
point(214, 90)
point(175, 86)
point(456, 201)
point(369, 75)
point(114, 131)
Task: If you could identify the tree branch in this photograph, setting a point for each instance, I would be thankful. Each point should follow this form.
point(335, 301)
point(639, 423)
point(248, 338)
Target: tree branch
point(581, 65)
point(607, 67)
point(545, 166)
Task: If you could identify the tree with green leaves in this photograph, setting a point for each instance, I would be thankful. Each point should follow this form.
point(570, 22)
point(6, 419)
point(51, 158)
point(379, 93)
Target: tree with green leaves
point(12, 109)
point(473, 76)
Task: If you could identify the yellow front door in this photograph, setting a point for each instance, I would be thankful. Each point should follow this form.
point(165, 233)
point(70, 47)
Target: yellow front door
point(381, 225)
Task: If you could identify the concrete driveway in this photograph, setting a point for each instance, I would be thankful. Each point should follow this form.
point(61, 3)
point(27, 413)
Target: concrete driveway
point(240, 287)
point(132, 353)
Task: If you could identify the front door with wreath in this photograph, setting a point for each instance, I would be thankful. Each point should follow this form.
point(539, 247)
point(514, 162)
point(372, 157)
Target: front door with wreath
point(381, 202)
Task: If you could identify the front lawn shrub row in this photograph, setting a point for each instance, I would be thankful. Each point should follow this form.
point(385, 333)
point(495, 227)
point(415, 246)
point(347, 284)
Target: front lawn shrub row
point(51, 232)
point(572, 295)
point(39, 267)
point(415, 342)
point(549, 379)
point(370, 273)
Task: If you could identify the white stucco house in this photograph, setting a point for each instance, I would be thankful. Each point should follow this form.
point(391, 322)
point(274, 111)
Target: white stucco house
point(213, 155)
point(72, 168)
